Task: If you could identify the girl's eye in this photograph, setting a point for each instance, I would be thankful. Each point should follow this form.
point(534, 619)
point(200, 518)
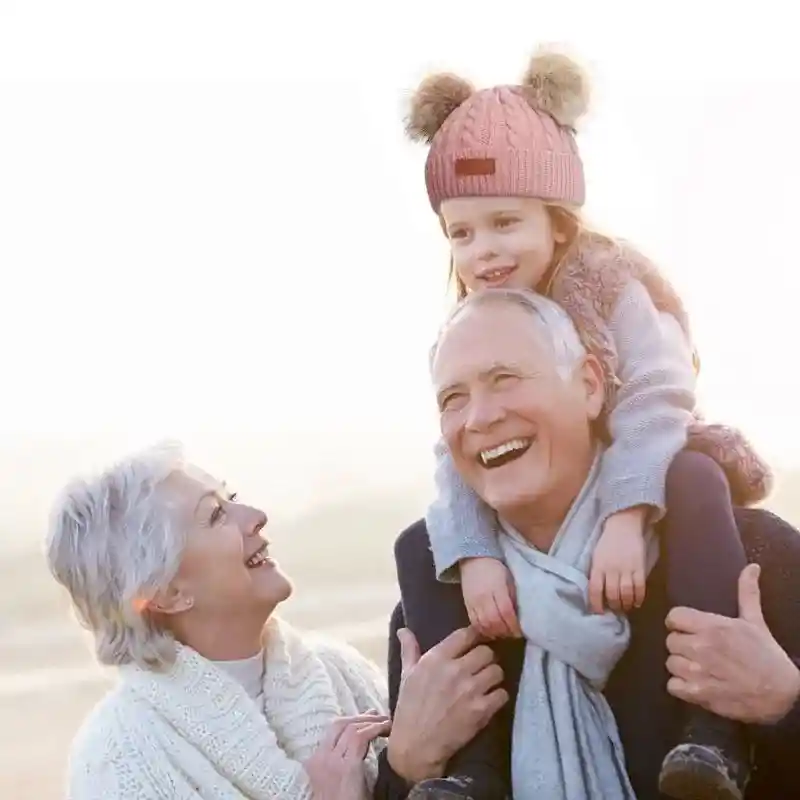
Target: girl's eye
point(217, 514)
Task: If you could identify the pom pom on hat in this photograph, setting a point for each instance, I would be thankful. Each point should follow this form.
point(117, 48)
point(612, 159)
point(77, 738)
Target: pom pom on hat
point(511, 140)
point(556, 84)
point(436, 98)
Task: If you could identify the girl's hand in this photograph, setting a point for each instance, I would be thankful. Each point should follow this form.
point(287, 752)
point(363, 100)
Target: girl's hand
point(490, 597)
point(618, 563)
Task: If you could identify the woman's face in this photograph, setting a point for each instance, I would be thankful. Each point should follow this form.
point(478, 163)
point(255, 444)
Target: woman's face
point(226, 571)
point(499, 241)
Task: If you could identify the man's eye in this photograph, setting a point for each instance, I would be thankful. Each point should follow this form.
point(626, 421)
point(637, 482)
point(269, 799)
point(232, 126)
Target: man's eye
point(505, 379)
point(450, 401)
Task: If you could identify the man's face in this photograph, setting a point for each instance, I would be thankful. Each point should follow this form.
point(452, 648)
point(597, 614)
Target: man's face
point(517, 430)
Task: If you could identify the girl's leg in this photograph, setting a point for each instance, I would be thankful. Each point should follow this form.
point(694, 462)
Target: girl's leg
point(701, 541)
point(433, 610)
point(704, 555)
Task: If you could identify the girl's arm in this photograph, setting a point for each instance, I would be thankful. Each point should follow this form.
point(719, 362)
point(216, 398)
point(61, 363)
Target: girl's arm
point(654, 405)
point(459, 524)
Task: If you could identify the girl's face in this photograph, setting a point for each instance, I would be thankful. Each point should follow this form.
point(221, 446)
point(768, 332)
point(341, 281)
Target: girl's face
point(500, 241)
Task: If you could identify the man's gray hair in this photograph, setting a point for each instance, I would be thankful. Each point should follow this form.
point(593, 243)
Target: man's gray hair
point(114, 538)
point(552, 321)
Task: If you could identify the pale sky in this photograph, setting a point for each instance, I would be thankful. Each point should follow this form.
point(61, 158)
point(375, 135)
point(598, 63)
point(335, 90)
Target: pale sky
point(210, 220)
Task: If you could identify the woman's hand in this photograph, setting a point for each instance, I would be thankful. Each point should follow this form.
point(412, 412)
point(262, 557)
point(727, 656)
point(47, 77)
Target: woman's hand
point(336, 770)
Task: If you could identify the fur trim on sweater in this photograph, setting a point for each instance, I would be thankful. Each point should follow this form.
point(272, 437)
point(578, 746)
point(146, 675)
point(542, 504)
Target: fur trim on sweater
point(587, 283)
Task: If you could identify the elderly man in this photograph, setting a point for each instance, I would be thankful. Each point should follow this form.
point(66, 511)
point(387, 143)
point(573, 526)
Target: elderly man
point(736, 668)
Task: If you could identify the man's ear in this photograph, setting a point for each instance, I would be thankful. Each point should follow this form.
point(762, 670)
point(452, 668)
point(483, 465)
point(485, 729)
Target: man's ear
point(593, 383)
point(175, 599)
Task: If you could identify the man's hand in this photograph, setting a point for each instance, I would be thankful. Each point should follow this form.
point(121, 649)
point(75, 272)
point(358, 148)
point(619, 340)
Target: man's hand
point(336, 768)
point(618, 563)
point(489, 595)
point(446, 697)
point(732, 667)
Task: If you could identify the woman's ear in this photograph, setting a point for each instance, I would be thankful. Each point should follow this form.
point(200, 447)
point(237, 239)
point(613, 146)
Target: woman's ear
point(175, 599)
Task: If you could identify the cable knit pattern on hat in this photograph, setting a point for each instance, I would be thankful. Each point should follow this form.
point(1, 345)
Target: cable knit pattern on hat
point(531, 154)
point(193, 732)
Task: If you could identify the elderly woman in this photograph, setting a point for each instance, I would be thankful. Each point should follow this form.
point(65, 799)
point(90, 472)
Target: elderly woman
point(216, 698)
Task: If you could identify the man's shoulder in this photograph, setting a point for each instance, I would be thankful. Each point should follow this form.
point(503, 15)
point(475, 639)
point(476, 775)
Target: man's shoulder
point(413, 539)
point(758, 519)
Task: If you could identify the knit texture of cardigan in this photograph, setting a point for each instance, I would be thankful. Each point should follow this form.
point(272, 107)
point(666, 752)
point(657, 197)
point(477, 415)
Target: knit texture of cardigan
point(191, 731)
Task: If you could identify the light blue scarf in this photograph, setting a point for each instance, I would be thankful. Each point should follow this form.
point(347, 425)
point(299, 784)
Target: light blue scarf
point(565, 741)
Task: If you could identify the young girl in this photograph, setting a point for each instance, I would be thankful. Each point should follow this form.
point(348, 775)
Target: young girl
point(505, 177)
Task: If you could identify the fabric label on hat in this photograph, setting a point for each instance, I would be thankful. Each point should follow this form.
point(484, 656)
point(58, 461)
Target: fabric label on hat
point(469, 167)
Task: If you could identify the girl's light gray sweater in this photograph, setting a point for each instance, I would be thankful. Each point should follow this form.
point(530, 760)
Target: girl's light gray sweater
point(648, 427)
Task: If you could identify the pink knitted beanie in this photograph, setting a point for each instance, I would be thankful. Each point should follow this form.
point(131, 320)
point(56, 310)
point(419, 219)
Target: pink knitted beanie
point(507, 141)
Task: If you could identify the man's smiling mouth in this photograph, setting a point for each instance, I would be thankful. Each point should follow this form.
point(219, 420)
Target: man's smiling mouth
point(504, 453)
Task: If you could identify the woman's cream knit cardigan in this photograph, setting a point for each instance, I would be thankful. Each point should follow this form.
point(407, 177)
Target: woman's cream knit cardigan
point(193, 732)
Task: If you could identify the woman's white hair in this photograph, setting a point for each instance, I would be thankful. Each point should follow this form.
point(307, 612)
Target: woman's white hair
point(551, 320)
point(114, 538)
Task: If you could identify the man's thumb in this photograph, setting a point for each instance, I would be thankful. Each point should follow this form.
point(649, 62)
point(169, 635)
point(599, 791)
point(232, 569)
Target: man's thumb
point(409, 649)
point(750, 595)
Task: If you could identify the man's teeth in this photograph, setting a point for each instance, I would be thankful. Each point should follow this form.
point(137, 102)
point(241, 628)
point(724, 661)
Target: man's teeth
point(502, 449)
